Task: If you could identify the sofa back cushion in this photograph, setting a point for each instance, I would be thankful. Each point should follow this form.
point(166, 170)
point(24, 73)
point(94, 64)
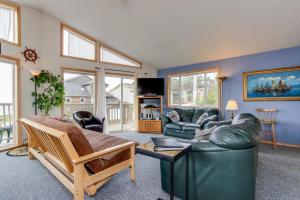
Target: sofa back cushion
point(186, 114)
point(197, 113)
point(241, 134)
point(79, 141)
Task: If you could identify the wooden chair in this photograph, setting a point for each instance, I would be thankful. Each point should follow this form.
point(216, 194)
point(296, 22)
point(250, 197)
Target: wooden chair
point(267, 117)
point(56, 152)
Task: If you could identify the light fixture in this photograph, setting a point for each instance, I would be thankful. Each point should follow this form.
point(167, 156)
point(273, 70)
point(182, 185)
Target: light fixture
point(232, 106)
point(35, 73)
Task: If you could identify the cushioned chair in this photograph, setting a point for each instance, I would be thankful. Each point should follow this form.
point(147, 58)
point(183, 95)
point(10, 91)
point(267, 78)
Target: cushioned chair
point(222, 168)
point(88, 121)
point(186, 127)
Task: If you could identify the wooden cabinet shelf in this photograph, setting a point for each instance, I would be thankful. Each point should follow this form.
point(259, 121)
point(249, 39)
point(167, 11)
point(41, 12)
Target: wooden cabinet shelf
point(149, 125)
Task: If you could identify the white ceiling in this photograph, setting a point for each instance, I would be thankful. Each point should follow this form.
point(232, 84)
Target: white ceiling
point(165, 33)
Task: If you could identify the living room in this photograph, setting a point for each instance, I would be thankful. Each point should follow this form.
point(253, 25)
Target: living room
point(85, 101)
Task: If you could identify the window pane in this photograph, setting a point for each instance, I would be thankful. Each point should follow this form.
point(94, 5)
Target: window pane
point(175, 91)
point(79, 93)
point(211, 90)
point(200, 90)
point(110, 56)
point(8, 24)
point(187, 83)
point(78, 46)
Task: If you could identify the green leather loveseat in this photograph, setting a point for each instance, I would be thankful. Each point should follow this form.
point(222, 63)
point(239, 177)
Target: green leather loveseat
point(185, 128)
point(223, 168)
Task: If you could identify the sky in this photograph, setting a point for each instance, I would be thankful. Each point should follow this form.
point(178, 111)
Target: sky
point(6, 82)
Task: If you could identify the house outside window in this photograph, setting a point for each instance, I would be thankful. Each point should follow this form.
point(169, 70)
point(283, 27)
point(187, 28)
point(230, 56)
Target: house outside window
point(194, 89)
point(82, 100)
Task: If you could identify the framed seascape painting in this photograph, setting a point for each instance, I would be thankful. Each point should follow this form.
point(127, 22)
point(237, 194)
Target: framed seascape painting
point(281, 84)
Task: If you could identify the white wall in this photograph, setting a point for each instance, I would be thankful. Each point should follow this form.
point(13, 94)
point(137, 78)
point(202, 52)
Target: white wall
point(42, 32)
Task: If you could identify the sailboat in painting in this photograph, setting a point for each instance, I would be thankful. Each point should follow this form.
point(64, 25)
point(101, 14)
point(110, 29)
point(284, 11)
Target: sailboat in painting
point(280, 87)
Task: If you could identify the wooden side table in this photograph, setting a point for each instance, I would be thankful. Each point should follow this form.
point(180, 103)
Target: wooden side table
point(170, 156)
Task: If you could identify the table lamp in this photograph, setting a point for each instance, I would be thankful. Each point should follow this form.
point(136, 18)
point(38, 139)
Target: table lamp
point(232, 106)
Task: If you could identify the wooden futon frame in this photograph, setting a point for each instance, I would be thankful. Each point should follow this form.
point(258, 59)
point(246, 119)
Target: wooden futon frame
point(55, 150)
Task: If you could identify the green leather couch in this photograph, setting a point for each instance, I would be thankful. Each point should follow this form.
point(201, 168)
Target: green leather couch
point(223, 168)
point(185, 128)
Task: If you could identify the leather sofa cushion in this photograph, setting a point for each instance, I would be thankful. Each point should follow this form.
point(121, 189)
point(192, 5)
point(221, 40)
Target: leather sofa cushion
point(186, 114)
point(197, 113)
point(79, 141)
point(174, 126)
point(190, 127)
point(242, 133)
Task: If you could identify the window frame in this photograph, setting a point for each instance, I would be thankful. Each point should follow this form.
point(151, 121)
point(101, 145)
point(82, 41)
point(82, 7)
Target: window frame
point(17, 9)
point(80, 35)
point(81, 71)
point(193, 72)
point(118, 53)
point(98, 46)
point(18, 90)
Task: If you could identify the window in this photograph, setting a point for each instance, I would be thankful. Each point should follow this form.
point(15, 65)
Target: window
point(77, 45)
point(9, 101)
point(80, 91)
point(9, 23)
point(68, 100)
point(109, 56)
point(197, 89)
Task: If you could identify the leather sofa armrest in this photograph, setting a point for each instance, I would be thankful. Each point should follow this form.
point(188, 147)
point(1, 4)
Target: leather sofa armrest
point(216, 123)
point(165, 119)
point(206, 147)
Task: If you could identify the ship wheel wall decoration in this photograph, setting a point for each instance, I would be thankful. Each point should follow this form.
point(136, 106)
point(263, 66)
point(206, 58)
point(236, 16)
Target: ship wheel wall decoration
point(30, 55)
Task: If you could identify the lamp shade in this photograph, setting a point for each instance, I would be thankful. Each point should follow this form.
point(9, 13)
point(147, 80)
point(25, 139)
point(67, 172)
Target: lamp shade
point(232, 105)
point(35, 72)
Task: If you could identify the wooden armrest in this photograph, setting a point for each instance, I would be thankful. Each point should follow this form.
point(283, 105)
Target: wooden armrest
point(98, 154)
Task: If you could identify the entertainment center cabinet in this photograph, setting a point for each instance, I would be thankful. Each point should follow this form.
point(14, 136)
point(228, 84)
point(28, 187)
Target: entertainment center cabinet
point(149, 112)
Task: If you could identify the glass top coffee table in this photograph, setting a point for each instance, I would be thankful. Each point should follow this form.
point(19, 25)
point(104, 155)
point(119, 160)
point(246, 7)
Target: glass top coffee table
point(170, 156)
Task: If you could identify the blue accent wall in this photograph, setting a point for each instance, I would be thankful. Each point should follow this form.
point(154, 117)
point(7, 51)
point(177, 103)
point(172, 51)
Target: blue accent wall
point(288, 117)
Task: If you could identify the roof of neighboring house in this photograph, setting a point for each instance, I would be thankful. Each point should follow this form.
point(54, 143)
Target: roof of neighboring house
point(77, 86)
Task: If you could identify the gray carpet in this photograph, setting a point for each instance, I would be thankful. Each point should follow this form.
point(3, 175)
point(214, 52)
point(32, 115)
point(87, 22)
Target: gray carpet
point(278, 178)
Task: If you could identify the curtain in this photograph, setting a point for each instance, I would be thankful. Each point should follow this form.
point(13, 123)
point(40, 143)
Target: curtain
point(7, 24)
point(80, 48)
point(101, 98)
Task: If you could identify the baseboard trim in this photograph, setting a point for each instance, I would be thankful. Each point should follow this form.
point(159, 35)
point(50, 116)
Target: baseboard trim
point(281, 144)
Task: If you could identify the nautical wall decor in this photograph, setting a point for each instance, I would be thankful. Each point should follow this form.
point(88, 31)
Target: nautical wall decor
point(282, 84)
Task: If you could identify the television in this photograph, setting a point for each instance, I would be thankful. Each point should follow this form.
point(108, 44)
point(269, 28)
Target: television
point(150, 86)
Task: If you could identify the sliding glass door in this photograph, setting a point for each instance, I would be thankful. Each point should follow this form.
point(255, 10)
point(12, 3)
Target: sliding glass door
point(8, 103)
point(120, 103)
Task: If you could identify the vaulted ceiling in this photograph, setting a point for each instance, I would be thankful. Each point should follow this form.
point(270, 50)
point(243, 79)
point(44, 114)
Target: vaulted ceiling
point(165, 33)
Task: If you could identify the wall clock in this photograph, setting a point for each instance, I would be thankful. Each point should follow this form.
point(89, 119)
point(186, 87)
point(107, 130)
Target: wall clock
point(30, 55)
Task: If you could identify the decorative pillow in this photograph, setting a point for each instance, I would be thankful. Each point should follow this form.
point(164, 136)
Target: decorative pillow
point(203, 134)
point(208, 119)
point(201, 118)
point(174, 116)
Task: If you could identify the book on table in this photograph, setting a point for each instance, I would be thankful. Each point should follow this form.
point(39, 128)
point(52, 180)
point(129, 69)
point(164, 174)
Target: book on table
point(167, 144)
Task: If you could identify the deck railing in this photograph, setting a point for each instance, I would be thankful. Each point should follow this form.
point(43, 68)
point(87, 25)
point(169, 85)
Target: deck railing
point(113, 111)
point(6, 114)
